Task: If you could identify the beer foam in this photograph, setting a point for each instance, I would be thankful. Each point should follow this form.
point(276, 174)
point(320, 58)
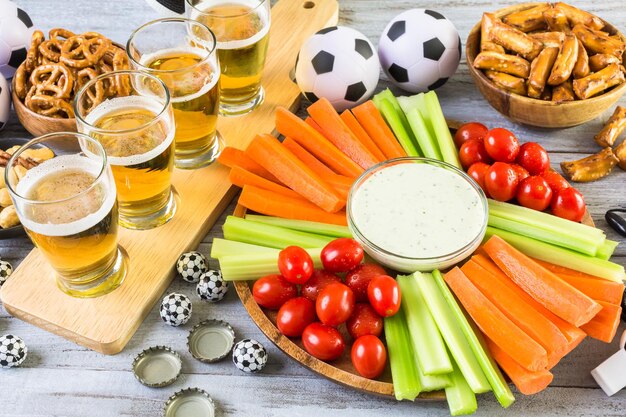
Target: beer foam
point(243, 43)
point(55, 165)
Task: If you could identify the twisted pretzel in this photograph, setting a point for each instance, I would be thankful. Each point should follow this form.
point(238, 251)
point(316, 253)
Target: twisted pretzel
point(51, 106)
point(60, 33)
point(96, 93)
point(32, 58)
point(53, 78)
point(21, 78)
point(51, 49)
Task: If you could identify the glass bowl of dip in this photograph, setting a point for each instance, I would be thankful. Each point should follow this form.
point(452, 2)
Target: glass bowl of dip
point(417, 214)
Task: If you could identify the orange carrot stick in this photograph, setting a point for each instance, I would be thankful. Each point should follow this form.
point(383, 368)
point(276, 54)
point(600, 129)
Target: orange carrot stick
point(597, 288)
point(314, 125)
point(288, 124)
point(372, 121)
point(555, 294)
point(274, 204)
point(498, 327)
point(309, 159)
point(232, 157)
point(240, 177)
point(604, 325)
point(360, 133)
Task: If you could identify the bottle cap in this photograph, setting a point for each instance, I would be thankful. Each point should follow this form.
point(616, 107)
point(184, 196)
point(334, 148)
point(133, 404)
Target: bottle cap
point(611, 374)
point(157, 366)
point(211, 340)
point(190, 402)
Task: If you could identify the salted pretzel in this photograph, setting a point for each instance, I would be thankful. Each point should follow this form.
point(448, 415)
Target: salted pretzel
point(598, 62)
point(529, 19)
point(51, 106)
point(21, 78)
point(565, 61)
point(512, 38)
point(96, 93)
point(599, 81)
point(613, 128)
point(540, 71)
point(495, 61)
point(563, 92)
point(509, 82)
point(556, 20)
point(60, 33)
point(51, 49)
point(32, 58)
point(54, 80)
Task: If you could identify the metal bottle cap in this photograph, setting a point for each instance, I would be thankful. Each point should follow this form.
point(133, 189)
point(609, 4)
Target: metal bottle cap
point(211, 340)
point(190, 402)
point(610, 374)
point(157, 366)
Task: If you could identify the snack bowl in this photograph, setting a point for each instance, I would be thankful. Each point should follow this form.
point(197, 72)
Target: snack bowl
point(17, 230)
point(531, 111)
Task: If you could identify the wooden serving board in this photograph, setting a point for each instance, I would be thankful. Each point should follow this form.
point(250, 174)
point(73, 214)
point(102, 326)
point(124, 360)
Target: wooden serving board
point(107, 323)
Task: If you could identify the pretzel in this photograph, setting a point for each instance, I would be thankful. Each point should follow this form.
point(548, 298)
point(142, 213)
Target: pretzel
point(613, 128)
point(21, 78)
point(53, 78)
point(599, 42)
point(95, 94)
point(549, 39)
point(495, 61)
point(51, 49)
point(512, 39)
point(565, 61)
point(598, 62)
point(577, 16)
point(540, 71)
point(529, 19)
point(485, 43)
point(60, 33)
point(556, 20)
point(508, 82)
point(51, 106)
point(599, 81)
point(581, 68)
point(32, 58)
point(563, 92)
point(590, 168)
point(620, 153)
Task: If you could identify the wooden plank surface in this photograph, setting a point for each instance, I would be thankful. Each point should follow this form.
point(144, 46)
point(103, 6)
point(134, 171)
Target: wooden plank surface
point(60, 378)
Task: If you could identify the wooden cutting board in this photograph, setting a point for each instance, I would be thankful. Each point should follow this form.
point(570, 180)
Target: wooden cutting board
point(107, 323)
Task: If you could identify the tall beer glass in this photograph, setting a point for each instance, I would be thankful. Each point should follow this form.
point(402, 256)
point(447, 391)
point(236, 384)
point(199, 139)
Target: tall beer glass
point(182, 53)
point(129, 113)
point(242, 31)
point(68, 208)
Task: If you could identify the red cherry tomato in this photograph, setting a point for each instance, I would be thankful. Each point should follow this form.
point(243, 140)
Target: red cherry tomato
point(364, 320)
point(477, 171)
point(272, 291)
point(472, 130)
point(334, 304)
point(322, 341)
point(368, 356)
point(502, 145)
point(569, 204)
point(295, 264)
point(534, 158)
point(294, 316)
point(555, 181)
point(384, 295)
point(341, 255)
point(501, 181)
point(535, 193)
point(473, 151)
point(522, 174)
point(359, 278)
point(318, 281)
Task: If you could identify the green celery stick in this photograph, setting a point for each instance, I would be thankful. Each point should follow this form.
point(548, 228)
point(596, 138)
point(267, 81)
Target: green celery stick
point(433, 382)
point(252, 266)
point(606, 250)
point(441, 129)
point(303, 225)
point(406, 384)
point(427, 143)
point(393, 120)
point(388, 95)
point(222, 247)
point(460, 397)
point(417, 102)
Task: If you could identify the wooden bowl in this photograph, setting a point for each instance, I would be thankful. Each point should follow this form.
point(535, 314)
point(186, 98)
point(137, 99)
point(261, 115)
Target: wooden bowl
point(532, 111)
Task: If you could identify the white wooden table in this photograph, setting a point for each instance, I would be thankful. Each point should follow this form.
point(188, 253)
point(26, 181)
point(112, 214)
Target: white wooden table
point(60, 378)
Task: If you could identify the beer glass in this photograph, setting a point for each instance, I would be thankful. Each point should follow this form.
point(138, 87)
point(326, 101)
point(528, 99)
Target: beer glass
point(68, 208)
point(242, 31)
point(129, 113)
point(181, 52)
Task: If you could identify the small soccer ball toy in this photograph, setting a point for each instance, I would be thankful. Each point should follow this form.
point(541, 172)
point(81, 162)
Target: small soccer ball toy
point(13, 351)
point(191, 265)
point(175, 309)
point(5, 271)
point(419, 50)
point(249, 355)
point(5, 102)
point(16, 29)
point(212, 286)
point(168, 8)
point(340, 64)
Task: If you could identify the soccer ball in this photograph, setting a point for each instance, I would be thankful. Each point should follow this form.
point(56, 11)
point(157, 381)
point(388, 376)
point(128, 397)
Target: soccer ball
point(175, 309)
point(191, 265)
point(5, 103)
point(168, 8)
point(16, 29)
point(340, 64)
point(419, 50)
point(5, 268)
point(212, 286)
point(13, 351)
point(249, 355)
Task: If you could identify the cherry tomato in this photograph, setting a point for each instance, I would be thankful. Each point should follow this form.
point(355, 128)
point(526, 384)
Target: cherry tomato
point(341, 255)
point(295, 264)
point(555, 181)
point(364, 320)
point(501, 181)
point(384, 295)
point(368, 356)
point(359, 278)
point(473, 151)
point(502, 145)
point(334, 304)
point(534, 158)
point(472, 130)
point(272, 291)
point(322, 341)
point(318, 281)
point(521, 172)
point(294, 316)
point(569, 204)
point(477, 171)
point(535, 193)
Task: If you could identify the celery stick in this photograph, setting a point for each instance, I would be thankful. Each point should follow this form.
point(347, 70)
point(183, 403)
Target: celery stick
point(406, 384)
point(251, 266)
point(499, 386)
point(417, 102)
point(303, 225)
point(427, 143)
point(222, 247)
point(442, 131)
point(393, 120)
point(605, 251)
point(452, 333)
point(433, 382)
point(560, 256)
point(241, 230)
point(460, 397)
point(427, 341)
point(388, 95)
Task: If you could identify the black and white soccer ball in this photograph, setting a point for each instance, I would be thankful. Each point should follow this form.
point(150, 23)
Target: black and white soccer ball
point(419, 50)
point(16, 29)
point(5, 271)
point(175, 309)
point(340, 64)
point(168, 8)
point(249, 355)
point(191, 265)
point(5, 102)
point(212, 286)
point(13, 351)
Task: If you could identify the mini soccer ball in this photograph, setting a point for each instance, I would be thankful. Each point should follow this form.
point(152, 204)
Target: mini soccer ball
point(176, 309)
point(16, 29)
point(191, 265)
point(13, 351)
point(5, 102)
point(168, 8)
point(419, 50)
point(212, 286)
point(249, 355)
point(5, 271)
point(340, 64)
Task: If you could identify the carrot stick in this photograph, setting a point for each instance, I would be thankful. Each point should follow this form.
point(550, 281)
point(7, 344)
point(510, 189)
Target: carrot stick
point(338, 133)
point(527, 382)
point(297, 208)
point(372, 121)
point(597, 288)
point(555, 294)
point(360, 133)
point(309, 159)
point(314, 125)
point(288, 124)
point(604, 325)
point(240, 177)
point(498, 327)
point(232, 157)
